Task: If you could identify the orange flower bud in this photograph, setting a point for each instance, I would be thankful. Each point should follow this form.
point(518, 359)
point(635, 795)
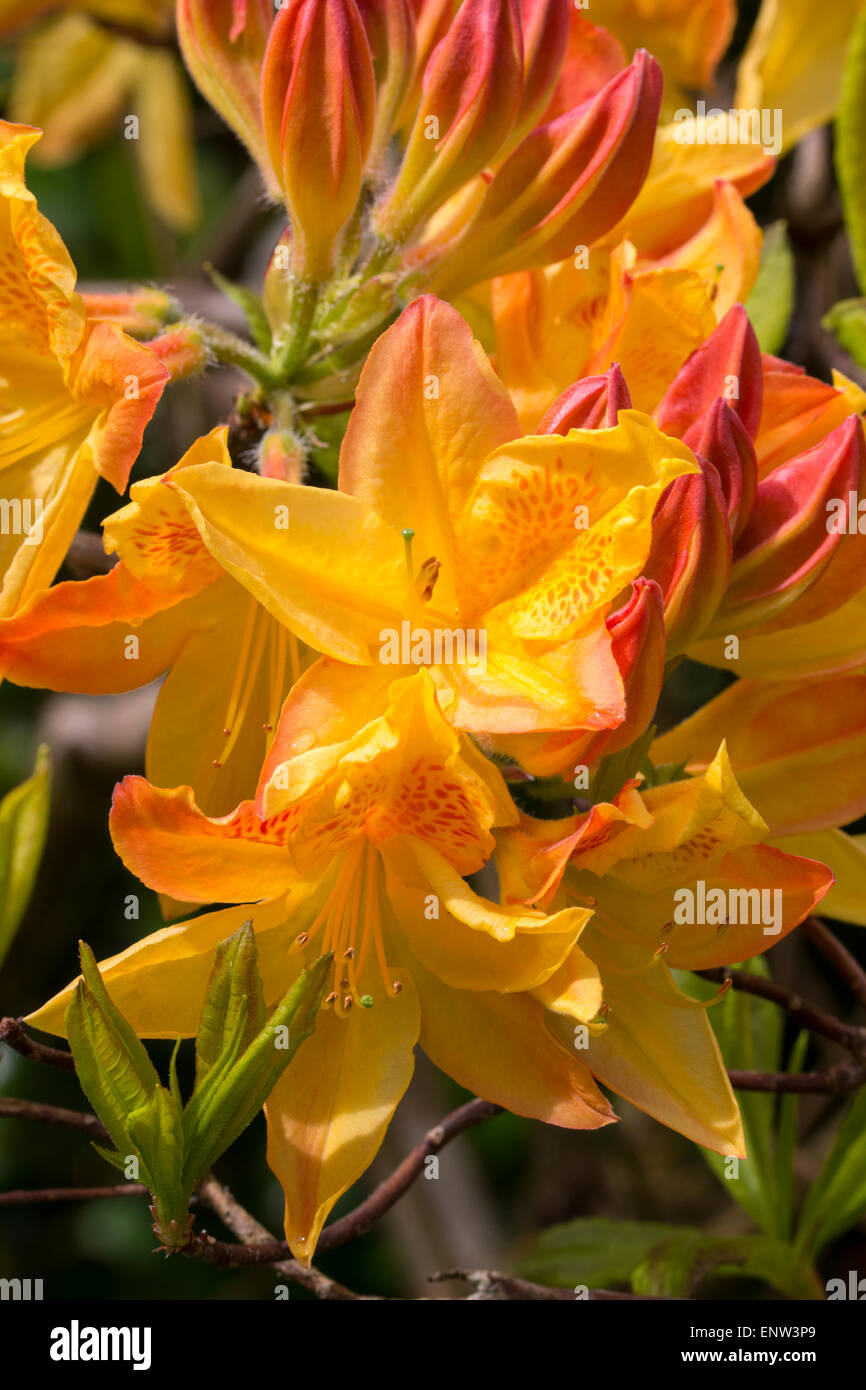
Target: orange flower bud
point(140, 312)
point(637, 637)
point(568, 182)
point(470, 100)
point(593, 403)
point(281, 455)
point(318, 105)
point(545, 35)
point(223, 45)
point(181, 350)
point(390, 26)
point(722, 439)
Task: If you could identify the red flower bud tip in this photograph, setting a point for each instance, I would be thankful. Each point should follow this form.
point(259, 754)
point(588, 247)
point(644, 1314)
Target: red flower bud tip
point(727, 365)
point(591, 404)
point(690, 558)
point(637, 633)
point(318, 106)
point(223, 45)
point(790, 537)
point(724, 441)
point(470, 100)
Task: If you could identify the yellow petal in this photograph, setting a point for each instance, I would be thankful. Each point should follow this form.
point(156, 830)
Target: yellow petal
point(498, 1047)
point(783, 737)
point(779, 69)
point(319, 561)
point(166, 146)
point(845, 857)
point(659, 1051)
point(328, 1114)
point(159, 983)
point(416, 466)
point(465, 940)
point(834, 643)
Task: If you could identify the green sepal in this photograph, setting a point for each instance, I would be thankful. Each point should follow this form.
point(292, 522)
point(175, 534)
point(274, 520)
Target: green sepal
point(234, 978)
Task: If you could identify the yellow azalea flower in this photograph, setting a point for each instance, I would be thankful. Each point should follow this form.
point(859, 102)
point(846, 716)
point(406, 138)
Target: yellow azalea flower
point(358, 843)
point(800, 752)
point(658, 869)
point(793, 62)
point(688, 37)
point(518, 546)
point(78, 80)
point(557, 325)
point(167, 605)
point(75, 394)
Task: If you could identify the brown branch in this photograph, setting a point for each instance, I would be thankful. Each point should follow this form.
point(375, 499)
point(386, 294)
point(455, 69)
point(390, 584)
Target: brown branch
point(490, 1285)
point(24, 1196)
point(12, 1033)
point(257, 1244)
point(356, 1222)
point(848, 1036)
point(51, 1115)
point(838, 1080)
point(86, 556)
point(838, 955)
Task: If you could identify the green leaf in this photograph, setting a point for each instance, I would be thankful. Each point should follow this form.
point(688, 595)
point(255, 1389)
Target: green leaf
point(750, 1032)
point(107, 1076)
point(23, 827)
point(250, 305)
point(786, 1143)
point(234, 978)
point(592, 1251)
point(847, 320)
point(850, 146)
point(837, 1198)
point(138, 1058)
point(659, 1259)
point(615, 770)
point(156, 1132)
point(241, 1092)
point(677, 1268)
point(771, 302)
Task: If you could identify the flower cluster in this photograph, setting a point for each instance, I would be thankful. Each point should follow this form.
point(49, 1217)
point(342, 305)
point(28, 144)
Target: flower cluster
point(407, 719)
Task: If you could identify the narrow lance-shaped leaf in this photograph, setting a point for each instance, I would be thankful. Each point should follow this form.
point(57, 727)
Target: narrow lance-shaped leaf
point(240, 1094)
point(23, 826)
point(851, 146)
point(838, 1196)
point(156, 1132)
point(234, 977)
point(771, 301)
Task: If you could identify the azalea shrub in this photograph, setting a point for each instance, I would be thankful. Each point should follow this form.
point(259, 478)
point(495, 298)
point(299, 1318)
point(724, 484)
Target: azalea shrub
point(434, 510)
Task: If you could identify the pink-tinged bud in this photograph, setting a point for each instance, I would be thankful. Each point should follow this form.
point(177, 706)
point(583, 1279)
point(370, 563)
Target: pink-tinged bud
point(724, 441)
point(790, 539)
point(469, 102)
point(140, 312)
point(318, 105)
point(566, 185)
point(181, 350)
point(431, 19)
point(727, 365)
point(798, 411)
point(593, 403)
point(390, 28)
point(545, 35)
point(281, 455)
point(223, 45)
point(690, 557)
